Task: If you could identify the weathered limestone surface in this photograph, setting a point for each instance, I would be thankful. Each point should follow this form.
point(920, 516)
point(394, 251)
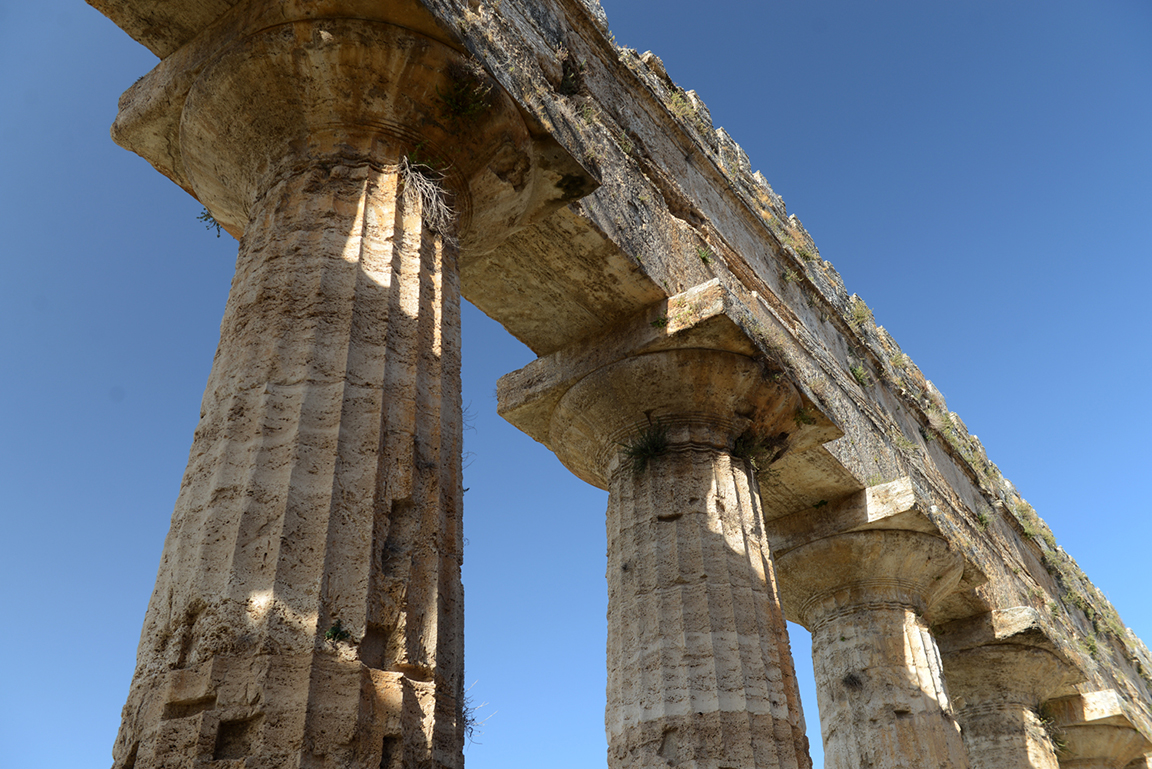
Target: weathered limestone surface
point(332, 398)
point(284, 467)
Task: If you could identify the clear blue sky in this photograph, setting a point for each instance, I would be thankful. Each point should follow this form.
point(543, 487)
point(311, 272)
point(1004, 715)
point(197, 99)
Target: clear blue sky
point(980, 173)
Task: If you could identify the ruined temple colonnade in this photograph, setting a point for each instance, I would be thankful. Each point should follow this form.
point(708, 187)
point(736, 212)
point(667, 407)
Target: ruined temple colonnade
point(377, 161)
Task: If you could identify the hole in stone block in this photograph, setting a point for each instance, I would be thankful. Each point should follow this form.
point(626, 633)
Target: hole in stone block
point(853, 681)
point(234, 739)
point(392, 754)
point(373, 647)
point(188, 707)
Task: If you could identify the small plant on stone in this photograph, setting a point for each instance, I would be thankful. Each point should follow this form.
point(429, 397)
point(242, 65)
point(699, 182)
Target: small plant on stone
point(982, 520)
point(858, 313)
point(803, 417)
point(679, 106)
point(705, 254)
point(789, 276)
point(649, 443)
point(1054, 733)
point(904, 445)
point(571, 73)
point(209, 221)
point(468, 709)
point(661, 322)
point(337, 633)
point(861, 375)
point(852, 681)
point(625, 144)
point(468, 95)
point(759, 451)
point(423, 184)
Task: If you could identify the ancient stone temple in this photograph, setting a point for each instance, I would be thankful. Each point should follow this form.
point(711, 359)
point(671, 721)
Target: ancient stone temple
point(769, 452)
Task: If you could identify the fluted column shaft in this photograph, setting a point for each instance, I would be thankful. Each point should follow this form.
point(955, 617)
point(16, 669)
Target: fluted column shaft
point(879, 683)
point(700, 672)
point(1006, 735)
point(323, 485)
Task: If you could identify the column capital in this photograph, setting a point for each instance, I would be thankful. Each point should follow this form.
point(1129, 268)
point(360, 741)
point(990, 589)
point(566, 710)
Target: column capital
point(702, 321)
point(1096, 730)
point(698, 397)
point(859, 569)
point(270, 83)
point(1005, 655)
point(346, 91)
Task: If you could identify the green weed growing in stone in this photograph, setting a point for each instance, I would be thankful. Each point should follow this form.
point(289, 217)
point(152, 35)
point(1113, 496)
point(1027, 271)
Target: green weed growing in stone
point(209, 221)
point(705, 254)
point(679, 106)
point(805, 254)
point(1054, 733)
point(803, 417)
point(337, 633)
point(858, 312)
point(649, 443)
point(571, 73)
point(468, 95)
point(904, 445)
point(861, 375)
point(759, 451)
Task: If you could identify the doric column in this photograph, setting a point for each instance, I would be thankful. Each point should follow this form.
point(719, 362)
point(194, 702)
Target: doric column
point(308, 608)
point(1000, 667)
point(864, 596)
point(1096, 731)
point(700, 673)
